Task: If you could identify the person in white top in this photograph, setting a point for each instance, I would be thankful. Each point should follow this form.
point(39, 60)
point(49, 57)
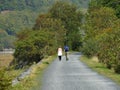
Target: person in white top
point(60, 53)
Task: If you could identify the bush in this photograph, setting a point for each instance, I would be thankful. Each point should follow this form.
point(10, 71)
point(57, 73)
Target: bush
point(109, 49)
point(5, 80)
point(90, 47)
point(31, 49)
point(35, 45)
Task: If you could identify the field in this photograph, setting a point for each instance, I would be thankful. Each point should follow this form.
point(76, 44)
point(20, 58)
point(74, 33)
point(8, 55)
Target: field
point(5, 59)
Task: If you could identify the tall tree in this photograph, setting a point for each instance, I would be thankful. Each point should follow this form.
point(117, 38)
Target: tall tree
point(53, 25)
point(44, 39)
point(71, 19)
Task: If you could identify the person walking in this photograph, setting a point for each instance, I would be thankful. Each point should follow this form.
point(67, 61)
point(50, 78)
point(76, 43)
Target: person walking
point(66, 49)
point(60, 53)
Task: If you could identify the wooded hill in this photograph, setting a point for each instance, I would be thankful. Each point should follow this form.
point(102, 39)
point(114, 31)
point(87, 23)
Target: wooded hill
point(16, 15)
point(35, 5)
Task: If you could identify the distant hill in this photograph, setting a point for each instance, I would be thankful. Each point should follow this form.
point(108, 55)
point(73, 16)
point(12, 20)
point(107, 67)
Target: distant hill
point(16, 15)
point(35, 5)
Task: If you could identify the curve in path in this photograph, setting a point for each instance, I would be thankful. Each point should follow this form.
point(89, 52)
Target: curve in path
point(74, 75)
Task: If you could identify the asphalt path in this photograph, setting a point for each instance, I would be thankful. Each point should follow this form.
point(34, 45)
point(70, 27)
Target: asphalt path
point(74, 75)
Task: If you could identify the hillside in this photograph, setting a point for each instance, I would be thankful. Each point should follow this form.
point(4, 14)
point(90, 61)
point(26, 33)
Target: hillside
point(34, 5)
point(16, 15)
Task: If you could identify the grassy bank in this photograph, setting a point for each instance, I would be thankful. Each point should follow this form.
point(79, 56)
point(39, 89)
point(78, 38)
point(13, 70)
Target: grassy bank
point(32, 82)
point(100, 68)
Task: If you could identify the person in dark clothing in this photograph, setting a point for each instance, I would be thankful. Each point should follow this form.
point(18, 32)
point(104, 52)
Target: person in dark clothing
point(66, 49)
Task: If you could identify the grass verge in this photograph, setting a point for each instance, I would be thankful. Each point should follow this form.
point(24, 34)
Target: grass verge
point(100, 68)
point(33, 81)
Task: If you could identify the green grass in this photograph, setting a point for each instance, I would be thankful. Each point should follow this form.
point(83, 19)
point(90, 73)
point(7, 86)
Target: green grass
point(34, 81)
point(101, 68)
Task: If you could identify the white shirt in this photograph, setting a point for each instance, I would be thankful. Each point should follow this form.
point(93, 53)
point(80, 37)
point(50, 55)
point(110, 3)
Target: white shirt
point(59, 51)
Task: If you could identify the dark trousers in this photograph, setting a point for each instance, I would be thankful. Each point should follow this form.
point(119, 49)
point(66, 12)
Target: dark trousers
point(66, 55)
point(59, 57)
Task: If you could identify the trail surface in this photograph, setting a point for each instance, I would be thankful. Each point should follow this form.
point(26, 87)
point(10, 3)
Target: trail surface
point(74, 75)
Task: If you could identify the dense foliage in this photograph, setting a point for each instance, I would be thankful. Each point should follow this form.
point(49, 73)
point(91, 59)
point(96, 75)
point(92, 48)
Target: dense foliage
point(15, 15)
point(11, 23)
point(71, 19)
point(102, 34)
point(115, 4)
point(6, 40)
point(33, 45)
point(5, 80)
point(50, 32)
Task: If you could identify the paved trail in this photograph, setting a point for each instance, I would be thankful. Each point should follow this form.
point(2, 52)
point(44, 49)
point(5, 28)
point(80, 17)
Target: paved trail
point(74, 75)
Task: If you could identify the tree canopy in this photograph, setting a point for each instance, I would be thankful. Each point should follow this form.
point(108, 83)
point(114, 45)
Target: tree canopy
point(16, 15)
point(71, 18)
point(48, 33)
point(115, 4)
point(102, 33)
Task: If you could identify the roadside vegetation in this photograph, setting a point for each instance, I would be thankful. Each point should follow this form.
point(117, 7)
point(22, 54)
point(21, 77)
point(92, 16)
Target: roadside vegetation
point(33, 81)
point(102, 33)
point(30, 82)
point(94, 64)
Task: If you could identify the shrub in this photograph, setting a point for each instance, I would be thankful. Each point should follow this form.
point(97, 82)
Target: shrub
point(31, 49)
point(5, 80)
point(90, 47)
